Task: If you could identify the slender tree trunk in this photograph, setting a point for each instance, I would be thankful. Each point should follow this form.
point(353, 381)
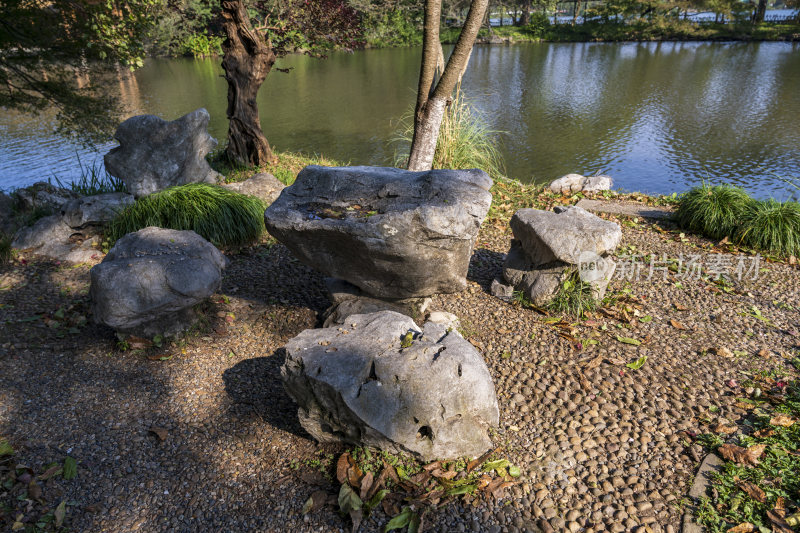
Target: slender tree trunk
point(247, 59)
point(761, 10)
point(433, 100)
point(577, 10)
point(525, 18)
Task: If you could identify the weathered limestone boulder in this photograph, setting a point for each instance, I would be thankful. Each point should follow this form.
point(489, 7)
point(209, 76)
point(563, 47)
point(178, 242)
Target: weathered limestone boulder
point(393, 233)
point(262, 185)
point(149, 281)
point(572, 183)
point(43, 195)
point(46, 230)
point(598, 184)
point(361, 384)
point(347, 299)
point(548, 246)
point(568, 184)
point(52, 238)
point(563, 234)
point(94, 210)
point(154, 154)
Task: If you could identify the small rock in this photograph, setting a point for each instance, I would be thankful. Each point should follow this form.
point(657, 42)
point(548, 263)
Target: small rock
point(96, 209)
point(568, 184)
point(262, 185)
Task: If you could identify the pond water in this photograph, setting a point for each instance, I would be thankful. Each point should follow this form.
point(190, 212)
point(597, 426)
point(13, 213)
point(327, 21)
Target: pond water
point(658, 117)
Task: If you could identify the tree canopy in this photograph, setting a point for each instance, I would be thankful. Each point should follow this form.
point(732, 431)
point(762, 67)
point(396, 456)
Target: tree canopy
point(59, 53)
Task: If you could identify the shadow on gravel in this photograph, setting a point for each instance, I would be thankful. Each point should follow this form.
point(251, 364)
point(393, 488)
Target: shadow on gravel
point(256, 384)
point(484, 266)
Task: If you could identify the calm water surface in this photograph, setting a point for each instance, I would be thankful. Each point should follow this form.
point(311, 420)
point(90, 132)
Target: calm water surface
point(658, 117)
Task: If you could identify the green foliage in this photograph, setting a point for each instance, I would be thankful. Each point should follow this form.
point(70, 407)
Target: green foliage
point(539, 25)
point(285, 167)
point(771, 225)
point(202, 45)
point(714, 211)
point(574, 297)
point(465, 141)
point(393, 29)
point(6, 252)
point(224, 217)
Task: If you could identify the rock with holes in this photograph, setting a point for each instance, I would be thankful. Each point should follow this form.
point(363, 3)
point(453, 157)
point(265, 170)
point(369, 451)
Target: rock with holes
point(550, 246)
point(572, 183)
point(150, 279)
point(379, 380)
point(394, 234)
point(154, 154)
point(94, 210)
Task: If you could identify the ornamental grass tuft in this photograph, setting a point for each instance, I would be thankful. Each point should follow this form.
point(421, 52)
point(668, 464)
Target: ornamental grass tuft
point(771, 225)
point(224, 217)
point(714, 211)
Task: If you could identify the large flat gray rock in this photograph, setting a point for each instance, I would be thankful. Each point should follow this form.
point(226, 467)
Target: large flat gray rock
point(563, 235)
point(149, 281)
point(358, 384)
point(391, 232)
point(154, 154)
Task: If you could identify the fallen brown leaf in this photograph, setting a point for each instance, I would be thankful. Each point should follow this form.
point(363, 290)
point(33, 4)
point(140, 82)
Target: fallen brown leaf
point(34, 490)
point(594, 363)
point(475, 463)
point(753, 490)
point(677, 325)
point(778, 523)
point(342, 465)
point(680, 307)
point(763, 433)
point(744, 527)
point(727, 430)
point(763, 352)
point(782, 420)
point(740, 455)
point(723, 352)
point(138, 343)
point(378, 484)
point(366, 485)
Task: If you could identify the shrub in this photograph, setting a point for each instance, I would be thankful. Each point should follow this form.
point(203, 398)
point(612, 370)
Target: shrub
point(202, 45)
point(224, 217)
point(715, 211)
point(538, 25)
point(771, 225)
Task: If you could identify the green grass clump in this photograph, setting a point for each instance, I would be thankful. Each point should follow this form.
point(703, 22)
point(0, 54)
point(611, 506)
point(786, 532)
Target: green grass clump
point(224, 217)
point(285, 167)
point(6, 252)
point(574, 297)
point(715, 211)
point(94, 179)
point(465, 141)
point(771, 225)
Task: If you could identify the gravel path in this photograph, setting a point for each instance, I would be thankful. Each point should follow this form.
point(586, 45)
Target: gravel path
point(601, 446)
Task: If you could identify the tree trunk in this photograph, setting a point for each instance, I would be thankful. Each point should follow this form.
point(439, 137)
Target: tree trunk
point(247, 59)
point(525, 18)
point(433, 100)
point(761, 10)
point(577, 10)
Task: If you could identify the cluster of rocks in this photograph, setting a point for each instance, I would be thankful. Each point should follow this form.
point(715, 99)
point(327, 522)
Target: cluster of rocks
point(549, 246)
point(150, 280)
point(73, 233)
point(572, 183)
point(389, 239)
point(399, 237)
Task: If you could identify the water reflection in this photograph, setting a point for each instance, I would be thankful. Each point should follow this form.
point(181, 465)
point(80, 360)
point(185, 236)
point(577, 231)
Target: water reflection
point(657, 116)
